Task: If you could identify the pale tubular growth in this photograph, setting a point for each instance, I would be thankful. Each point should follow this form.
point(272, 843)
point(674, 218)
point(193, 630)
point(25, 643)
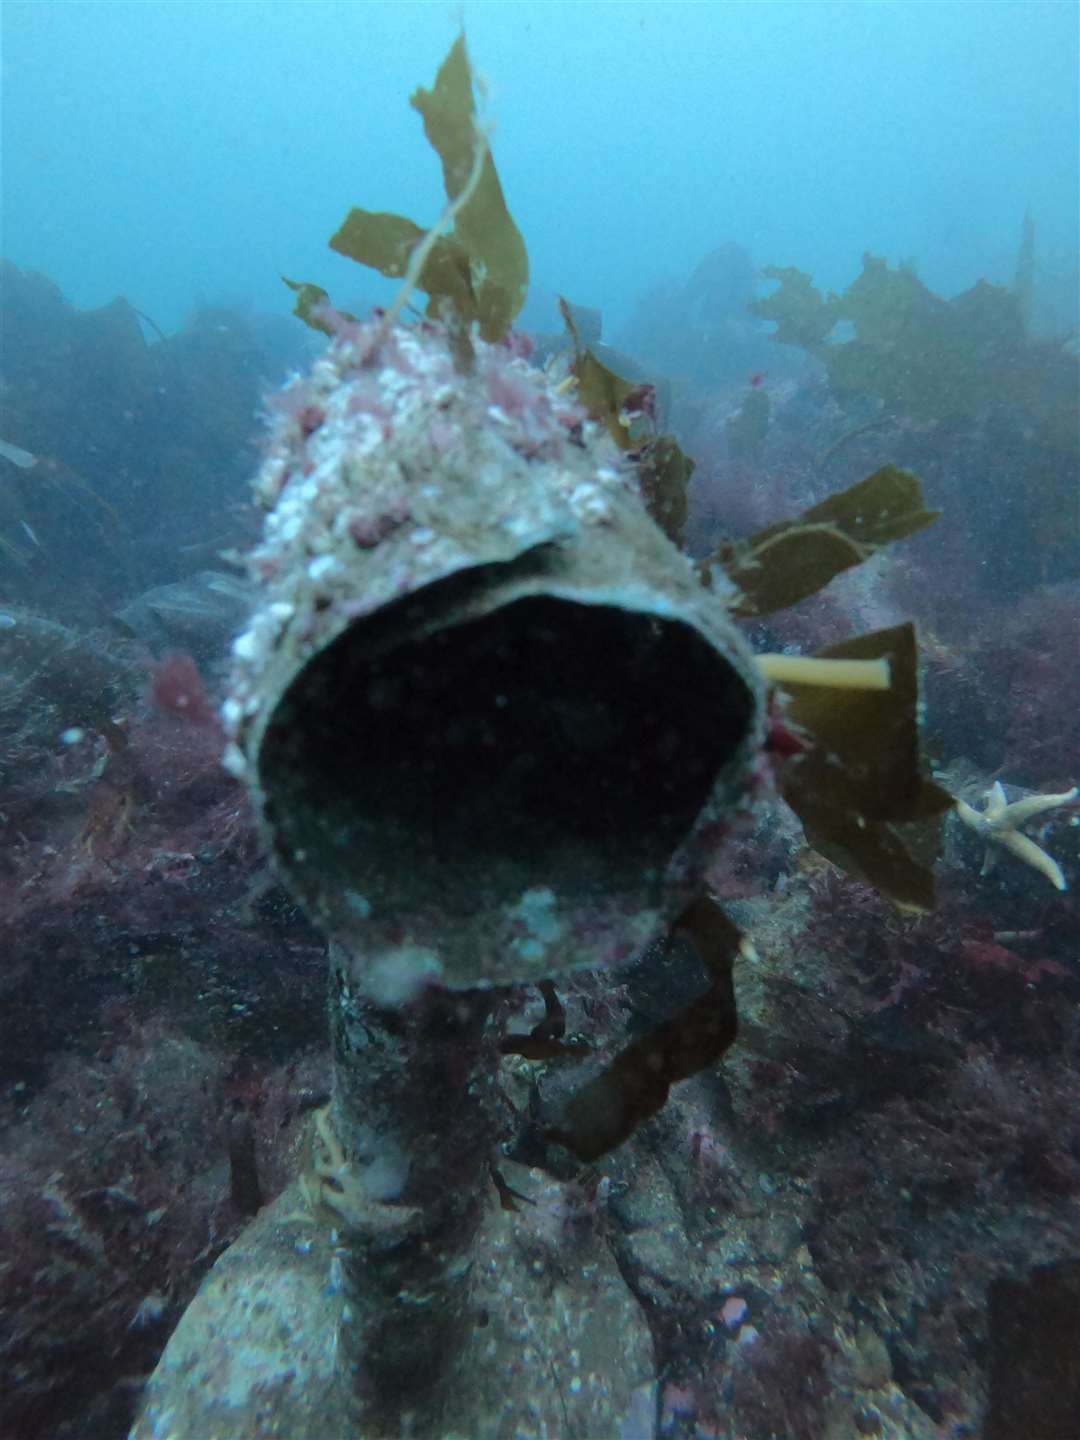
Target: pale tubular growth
point(830, 674)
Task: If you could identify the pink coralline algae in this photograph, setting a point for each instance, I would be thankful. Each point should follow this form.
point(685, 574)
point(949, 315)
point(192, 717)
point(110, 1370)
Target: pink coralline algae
point(343, 472)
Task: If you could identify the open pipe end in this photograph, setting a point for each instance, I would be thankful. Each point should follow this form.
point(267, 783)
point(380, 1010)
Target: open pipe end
point(499, 799)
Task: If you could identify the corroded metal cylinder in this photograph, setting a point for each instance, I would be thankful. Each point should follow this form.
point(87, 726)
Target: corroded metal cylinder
point(494, 729)
point(489, 717)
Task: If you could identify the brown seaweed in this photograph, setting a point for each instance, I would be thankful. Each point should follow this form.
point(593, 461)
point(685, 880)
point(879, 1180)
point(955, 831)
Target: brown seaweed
point(860, 790)
point(788, 561)
point(634, 1087)
point(480, 271)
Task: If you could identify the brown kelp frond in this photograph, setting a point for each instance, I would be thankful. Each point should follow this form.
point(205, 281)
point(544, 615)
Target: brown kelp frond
point(786, 562)
point(860, 790)
point(634, 1087)
point(472, 263)
point(482, 223)
point(628, 409)
point(969, 361)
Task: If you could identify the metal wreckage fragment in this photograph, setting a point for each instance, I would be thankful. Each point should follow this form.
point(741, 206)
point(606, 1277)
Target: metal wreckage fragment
point(484, 702)
point(494, 727)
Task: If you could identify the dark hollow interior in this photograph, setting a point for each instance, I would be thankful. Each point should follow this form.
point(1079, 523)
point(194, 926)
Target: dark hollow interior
point(549, 743)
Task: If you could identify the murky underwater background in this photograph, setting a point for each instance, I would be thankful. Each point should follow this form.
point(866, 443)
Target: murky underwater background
point(864, 1221)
